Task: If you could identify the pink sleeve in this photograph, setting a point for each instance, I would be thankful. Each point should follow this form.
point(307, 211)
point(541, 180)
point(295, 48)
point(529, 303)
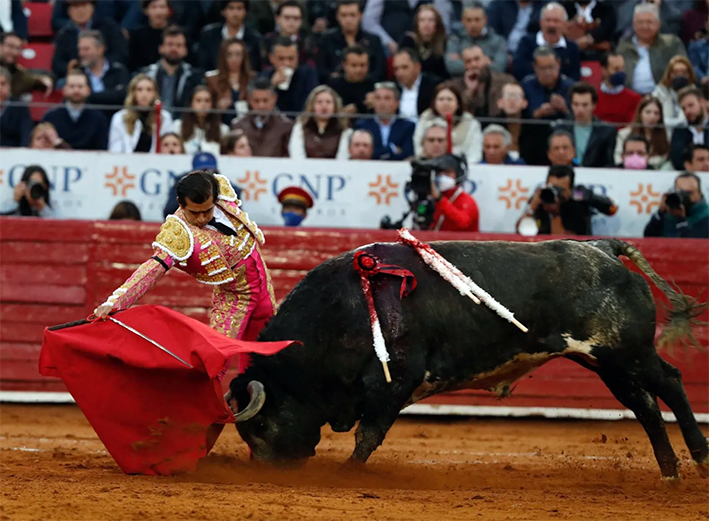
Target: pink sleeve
point(141, 281)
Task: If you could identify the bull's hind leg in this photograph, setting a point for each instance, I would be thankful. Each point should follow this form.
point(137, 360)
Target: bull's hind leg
point(668, 386)
point(628, 389)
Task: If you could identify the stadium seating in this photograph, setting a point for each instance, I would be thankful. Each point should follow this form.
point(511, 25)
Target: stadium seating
point(39, 20)
point(37, 56)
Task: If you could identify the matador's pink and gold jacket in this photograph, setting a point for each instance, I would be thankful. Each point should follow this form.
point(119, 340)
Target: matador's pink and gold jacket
point(205, 254)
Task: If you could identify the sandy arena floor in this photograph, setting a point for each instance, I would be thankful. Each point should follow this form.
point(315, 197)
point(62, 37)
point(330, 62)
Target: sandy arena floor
point(53, 467)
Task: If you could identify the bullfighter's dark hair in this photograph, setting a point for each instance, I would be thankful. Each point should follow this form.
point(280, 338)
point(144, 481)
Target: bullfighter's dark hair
point(561, 171)
point(198, 186)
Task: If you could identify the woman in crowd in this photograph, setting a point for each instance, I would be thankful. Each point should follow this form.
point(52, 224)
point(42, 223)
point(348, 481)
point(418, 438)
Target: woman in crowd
point(236, 143)
point(133, 130)
point(230, 81)
point(171, 143)
point(31, 195)
point(44, 137)
point(648, 122)
point(200, 129)
point(318, 133)
point(125, 211)
point(466, 135)
point(429, 40)
point(678, 74)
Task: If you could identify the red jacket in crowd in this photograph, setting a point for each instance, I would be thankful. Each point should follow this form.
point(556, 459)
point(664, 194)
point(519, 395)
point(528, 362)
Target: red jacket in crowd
point(456, 212)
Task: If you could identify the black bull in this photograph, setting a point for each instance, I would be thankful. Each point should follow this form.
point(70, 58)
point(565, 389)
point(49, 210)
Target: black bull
point(577, 299)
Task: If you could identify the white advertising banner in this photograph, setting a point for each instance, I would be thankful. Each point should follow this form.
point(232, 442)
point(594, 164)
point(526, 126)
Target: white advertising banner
point(347, 194)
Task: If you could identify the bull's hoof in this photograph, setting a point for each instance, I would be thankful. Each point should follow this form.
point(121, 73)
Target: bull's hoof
point(703, 468)
point(671, 481)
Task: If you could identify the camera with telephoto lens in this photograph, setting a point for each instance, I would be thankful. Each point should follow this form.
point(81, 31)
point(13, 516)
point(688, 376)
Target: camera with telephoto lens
point(37, 190)
point(418, 190)
point(678, 198)
point(551, 194)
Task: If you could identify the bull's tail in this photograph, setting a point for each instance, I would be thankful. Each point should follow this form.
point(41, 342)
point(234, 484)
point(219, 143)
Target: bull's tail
point(683, 311)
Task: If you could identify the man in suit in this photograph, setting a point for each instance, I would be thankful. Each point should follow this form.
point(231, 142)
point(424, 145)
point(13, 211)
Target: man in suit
point(15, 121)
point(393, 137)
point(696, 130)
point(512, 19)
point(417, 88)
point(553, 25)
point(234, 14)
point(293, 81)
point(594, 141)
point(109, 80)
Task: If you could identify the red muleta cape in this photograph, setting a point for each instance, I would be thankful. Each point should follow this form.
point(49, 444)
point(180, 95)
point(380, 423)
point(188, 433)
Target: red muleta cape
point(150, 411)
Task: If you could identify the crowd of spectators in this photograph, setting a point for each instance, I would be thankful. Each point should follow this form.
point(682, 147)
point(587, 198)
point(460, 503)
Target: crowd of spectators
point(369, 79)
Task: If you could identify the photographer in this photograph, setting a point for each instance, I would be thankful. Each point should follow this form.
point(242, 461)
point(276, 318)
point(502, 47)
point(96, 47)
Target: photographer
point(455, 210)
point(31, 197)
point(560, 208)
point(683, 211)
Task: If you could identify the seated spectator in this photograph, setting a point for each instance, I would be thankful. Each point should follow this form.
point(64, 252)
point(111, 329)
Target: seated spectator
point(592, 26)
point(694, 22)
point(81, 127)
point(361, 145)
point(44, 137)
point(349, 33)
point(513, 20)
point(82, 17)
point(699, 56)
point(145, 41)
point(512, 104)
point(496, 147)
point(109, 80)
point(417, 89)
point(171, 143)
point(15, 120)
point(435, 140)
point(563, 208)
point(236, 144)
point(429, 40)
point(648, 123)
point(125, 211)
point(31, 195)
point(467, 135)
point(477, 33)
point(593, 139)
point(234, 14)
point(289, 24)
point(560, 148)
point(295, 203)
point(683, 211)
point(294, 82)
point(229, 83)
point(355, 84)
point(678, 75)
point(480, 84)
point(22, 81)
point(616, 102)
point(553, 24)
point(14, 19)
point(267, 129)
point(200, 128)
point(318, 132)
point(176, 78)
point(133, 128)
point(696, 128)
point(547, 93)
point(647, 53)
point(393, 137)
point(126, 14)
point(696, 158)
point(636, 153)
point(670, 13)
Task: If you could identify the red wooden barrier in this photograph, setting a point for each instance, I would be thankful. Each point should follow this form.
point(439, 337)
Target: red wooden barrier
point(57, 271)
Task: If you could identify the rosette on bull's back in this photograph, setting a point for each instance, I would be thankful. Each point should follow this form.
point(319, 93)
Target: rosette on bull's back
point(212, 239)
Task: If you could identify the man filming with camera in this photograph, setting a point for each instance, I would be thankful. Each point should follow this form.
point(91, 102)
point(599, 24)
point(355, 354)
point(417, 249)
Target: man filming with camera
point(683, 211)
point(561, 208)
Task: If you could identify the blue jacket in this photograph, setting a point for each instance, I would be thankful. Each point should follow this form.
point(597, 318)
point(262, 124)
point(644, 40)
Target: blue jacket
point(502, 15)
point(699, 56)
point(15, 125)
point(89, 132)
point(509, 160)
point(537, 94)
point(401, 136)
point(523, 62)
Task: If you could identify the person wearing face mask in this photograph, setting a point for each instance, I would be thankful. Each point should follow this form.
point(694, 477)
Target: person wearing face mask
point(616, 102)
point(455, 209)
point(678, 75)
point(295, 203)
point(636, 153)
point(683, 211)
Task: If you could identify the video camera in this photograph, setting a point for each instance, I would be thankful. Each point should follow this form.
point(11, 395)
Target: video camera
point(418, 189)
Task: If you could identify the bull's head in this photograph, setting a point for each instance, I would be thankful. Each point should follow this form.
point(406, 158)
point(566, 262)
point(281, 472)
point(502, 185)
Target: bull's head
point(278, 428)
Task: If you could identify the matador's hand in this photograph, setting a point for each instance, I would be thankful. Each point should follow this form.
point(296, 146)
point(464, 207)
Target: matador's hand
point(103, 310)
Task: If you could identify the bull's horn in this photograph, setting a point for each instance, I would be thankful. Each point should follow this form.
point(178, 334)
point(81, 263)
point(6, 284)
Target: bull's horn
point(258, 397)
